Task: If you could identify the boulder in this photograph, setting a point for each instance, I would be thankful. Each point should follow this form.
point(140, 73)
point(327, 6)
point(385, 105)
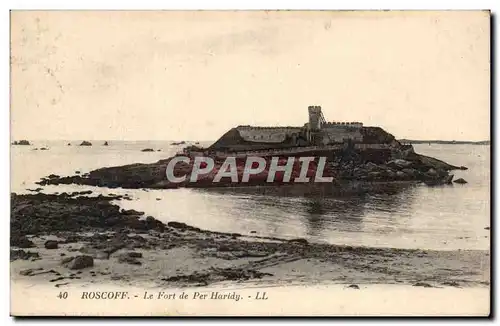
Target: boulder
point(51, 244)
point(78, 262)
point(460, 181)
point(432, 172)
point(154, 224)
point(130, 258)
point(399, 164)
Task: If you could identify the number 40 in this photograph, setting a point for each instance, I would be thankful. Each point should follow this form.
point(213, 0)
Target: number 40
point(62, 295)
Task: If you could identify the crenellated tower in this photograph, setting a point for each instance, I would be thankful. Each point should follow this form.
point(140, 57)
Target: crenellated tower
point(316, 118)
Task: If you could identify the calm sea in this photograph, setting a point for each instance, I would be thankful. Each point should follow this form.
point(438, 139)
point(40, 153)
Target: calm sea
point(443, 218)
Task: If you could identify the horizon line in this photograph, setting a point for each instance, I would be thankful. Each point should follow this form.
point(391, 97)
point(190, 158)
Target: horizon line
point(201, 140)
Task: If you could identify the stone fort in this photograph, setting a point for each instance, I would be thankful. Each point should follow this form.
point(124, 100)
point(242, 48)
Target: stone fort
point(317, 131)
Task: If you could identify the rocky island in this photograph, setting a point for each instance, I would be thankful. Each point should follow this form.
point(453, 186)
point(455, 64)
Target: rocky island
point(353, 153)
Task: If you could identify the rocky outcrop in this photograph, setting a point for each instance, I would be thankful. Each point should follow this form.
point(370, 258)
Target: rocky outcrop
point(78, 262)
point(460, 181)
point(193, 148)
point(376, 135)
point(23, 255)
point(41, 213)
point(20, 241)
point(21, 142)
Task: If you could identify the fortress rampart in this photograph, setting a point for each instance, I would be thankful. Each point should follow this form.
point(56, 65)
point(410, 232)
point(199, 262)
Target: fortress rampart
point(268, 134)
point(316, 132)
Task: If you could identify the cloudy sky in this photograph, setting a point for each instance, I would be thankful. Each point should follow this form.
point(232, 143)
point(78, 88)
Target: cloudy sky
point(193, 75)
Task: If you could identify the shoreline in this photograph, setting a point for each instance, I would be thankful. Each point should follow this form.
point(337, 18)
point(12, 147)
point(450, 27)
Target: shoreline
point(128, 248)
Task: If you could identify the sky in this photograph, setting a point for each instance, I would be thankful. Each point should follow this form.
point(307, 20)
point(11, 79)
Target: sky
point(153, 75)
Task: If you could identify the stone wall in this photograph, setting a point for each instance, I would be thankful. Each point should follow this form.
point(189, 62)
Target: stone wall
point(340, 133)
point(268, 134)
point(340, 124)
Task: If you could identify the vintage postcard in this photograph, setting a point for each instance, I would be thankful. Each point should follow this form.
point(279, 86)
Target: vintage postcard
point(250, 163)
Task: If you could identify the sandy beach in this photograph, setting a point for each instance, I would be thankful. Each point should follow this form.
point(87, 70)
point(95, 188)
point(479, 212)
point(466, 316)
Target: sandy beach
point(124, 249)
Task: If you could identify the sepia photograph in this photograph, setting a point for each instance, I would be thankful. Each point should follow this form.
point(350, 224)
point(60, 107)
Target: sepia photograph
point(250, 163)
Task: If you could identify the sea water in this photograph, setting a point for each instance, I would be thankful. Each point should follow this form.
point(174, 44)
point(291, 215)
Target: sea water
point(442, 217)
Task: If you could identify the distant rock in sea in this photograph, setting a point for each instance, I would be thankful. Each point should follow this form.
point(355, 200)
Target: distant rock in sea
point(178, 143)
point(148, 150)
point(21, 142)
point(86, 143)
point(451, 142)
point(105, 143)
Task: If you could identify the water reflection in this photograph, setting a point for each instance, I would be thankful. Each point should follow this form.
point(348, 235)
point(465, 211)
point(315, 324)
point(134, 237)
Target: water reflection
point(317, 210)
point(314, 222)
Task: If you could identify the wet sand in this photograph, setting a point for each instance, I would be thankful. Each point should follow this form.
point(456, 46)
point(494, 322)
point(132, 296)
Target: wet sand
point(128, 249)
